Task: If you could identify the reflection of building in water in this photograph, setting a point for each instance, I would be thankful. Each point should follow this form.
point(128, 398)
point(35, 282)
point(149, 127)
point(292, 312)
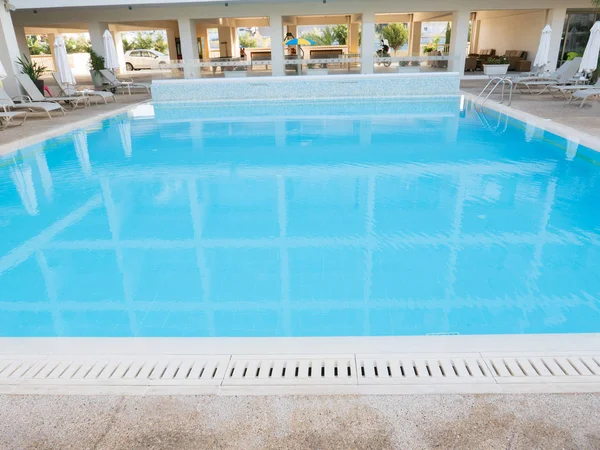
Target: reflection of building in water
point(81, 148)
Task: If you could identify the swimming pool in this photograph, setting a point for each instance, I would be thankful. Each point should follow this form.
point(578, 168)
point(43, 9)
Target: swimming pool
point(354, 218)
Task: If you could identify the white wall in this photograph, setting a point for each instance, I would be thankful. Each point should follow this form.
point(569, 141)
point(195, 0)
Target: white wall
point(525, 30)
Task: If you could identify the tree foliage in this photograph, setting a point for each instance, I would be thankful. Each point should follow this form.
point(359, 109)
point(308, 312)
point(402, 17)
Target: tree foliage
point(396, 34)
point(148, 40)
point(247, 40)
point(77, 45)
point(38, 45)
point(330, 35)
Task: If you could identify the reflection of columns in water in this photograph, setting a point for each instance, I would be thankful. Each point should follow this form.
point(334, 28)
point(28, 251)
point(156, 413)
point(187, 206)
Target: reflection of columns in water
point(451, 127)
point(572, 146)
point(42, 164)
point(81, 148)
point(23, 181)
point(125, 134)
point(365, 132)
point(280, 130)
point(197, 133)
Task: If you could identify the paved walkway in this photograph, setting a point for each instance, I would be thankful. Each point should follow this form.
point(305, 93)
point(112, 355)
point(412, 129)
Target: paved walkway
point(370, 422)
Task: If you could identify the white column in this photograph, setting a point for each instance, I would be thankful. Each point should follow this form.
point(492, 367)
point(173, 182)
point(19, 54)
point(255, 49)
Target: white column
point(236, 42)
point(226, 42)
point(118, 38)
point(353, 30)
point(51, 40)
point(556, 20)
point(189, 46)
point(458, 41)
point(367, 48)
point(172, 44)
point(22, 41)
point(96, 30)
point(415, 44)
point(9, 52)
point(277, 59)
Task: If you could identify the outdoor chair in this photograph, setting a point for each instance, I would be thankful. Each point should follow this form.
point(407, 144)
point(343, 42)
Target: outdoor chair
point(8, 117)
point(115, 83)
point(584, 95)
point(71, 90)
point(567, 90)
point(542, 83)
point(34, 94)
point(8, 104)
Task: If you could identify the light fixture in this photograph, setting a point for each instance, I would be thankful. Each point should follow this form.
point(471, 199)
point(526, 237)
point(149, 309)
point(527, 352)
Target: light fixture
point(130, 8)
point(9, 6)
point(35, 11)
point(226, 4)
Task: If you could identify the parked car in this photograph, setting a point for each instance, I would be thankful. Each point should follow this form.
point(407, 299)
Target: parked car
point(145, 59)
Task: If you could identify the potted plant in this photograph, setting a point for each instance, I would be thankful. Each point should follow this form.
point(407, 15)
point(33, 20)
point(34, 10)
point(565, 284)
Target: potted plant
point(496, 65)
point(96, 65)
point(407, 67)
point(33, 70)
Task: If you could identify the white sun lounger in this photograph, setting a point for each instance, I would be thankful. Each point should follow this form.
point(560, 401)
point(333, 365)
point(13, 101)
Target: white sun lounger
point(35, 95)
point(567, 90)
point(584, 95)
point(28, 105)
point(70, 90)
point(540, 84)
point(8, 117)
point(115, 83)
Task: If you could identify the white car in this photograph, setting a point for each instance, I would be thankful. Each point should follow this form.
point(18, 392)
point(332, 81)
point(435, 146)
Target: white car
point(145, 59)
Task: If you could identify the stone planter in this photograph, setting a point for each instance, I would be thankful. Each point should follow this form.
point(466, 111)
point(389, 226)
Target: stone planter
point(97, 79)
point(235, 73)
point(40, 85)
point(495, 69)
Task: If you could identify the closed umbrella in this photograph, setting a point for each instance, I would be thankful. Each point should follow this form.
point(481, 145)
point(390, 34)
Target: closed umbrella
point(111, 61)
point(2, 71)
point(62, 62)
point(543, 53)
point(589, 62)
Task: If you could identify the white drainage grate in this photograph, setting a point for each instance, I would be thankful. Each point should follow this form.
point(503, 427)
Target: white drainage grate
point(554, 369)
point(400, 369)
point(122, 371)
point(269, 371)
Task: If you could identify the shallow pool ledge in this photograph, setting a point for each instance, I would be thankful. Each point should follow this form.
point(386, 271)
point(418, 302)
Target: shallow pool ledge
point(306, 87)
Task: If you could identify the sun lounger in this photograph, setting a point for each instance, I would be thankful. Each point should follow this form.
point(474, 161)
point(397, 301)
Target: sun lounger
point(567, 90)
point(115, 83)
point(8, 117)
point(70, 90)
point(584, 95)
point(27, 105)
point(35, 95)
point(540, 84)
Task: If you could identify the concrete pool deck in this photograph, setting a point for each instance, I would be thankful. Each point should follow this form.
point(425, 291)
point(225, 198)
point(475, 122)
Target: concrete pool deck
point(320, 422)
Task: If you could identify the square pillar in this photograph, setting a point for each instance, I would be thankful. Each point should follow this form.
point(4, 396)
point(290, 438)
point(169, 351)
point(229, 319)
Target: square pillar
point(171, 44)
point(118, 38)
point(277, 59)
point(353, 32)
point(9, 52)
point(226, 42)
point(51, 40)
point(414, 46)
point(556, 20)
point(189, 46)
point(22, 41)
point(367, 48)
point(458, 41)
point(96, 30)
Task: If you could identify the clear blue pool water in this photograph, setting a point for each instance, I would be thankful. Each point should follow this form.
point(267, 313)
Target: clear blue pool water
point(346, 219)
